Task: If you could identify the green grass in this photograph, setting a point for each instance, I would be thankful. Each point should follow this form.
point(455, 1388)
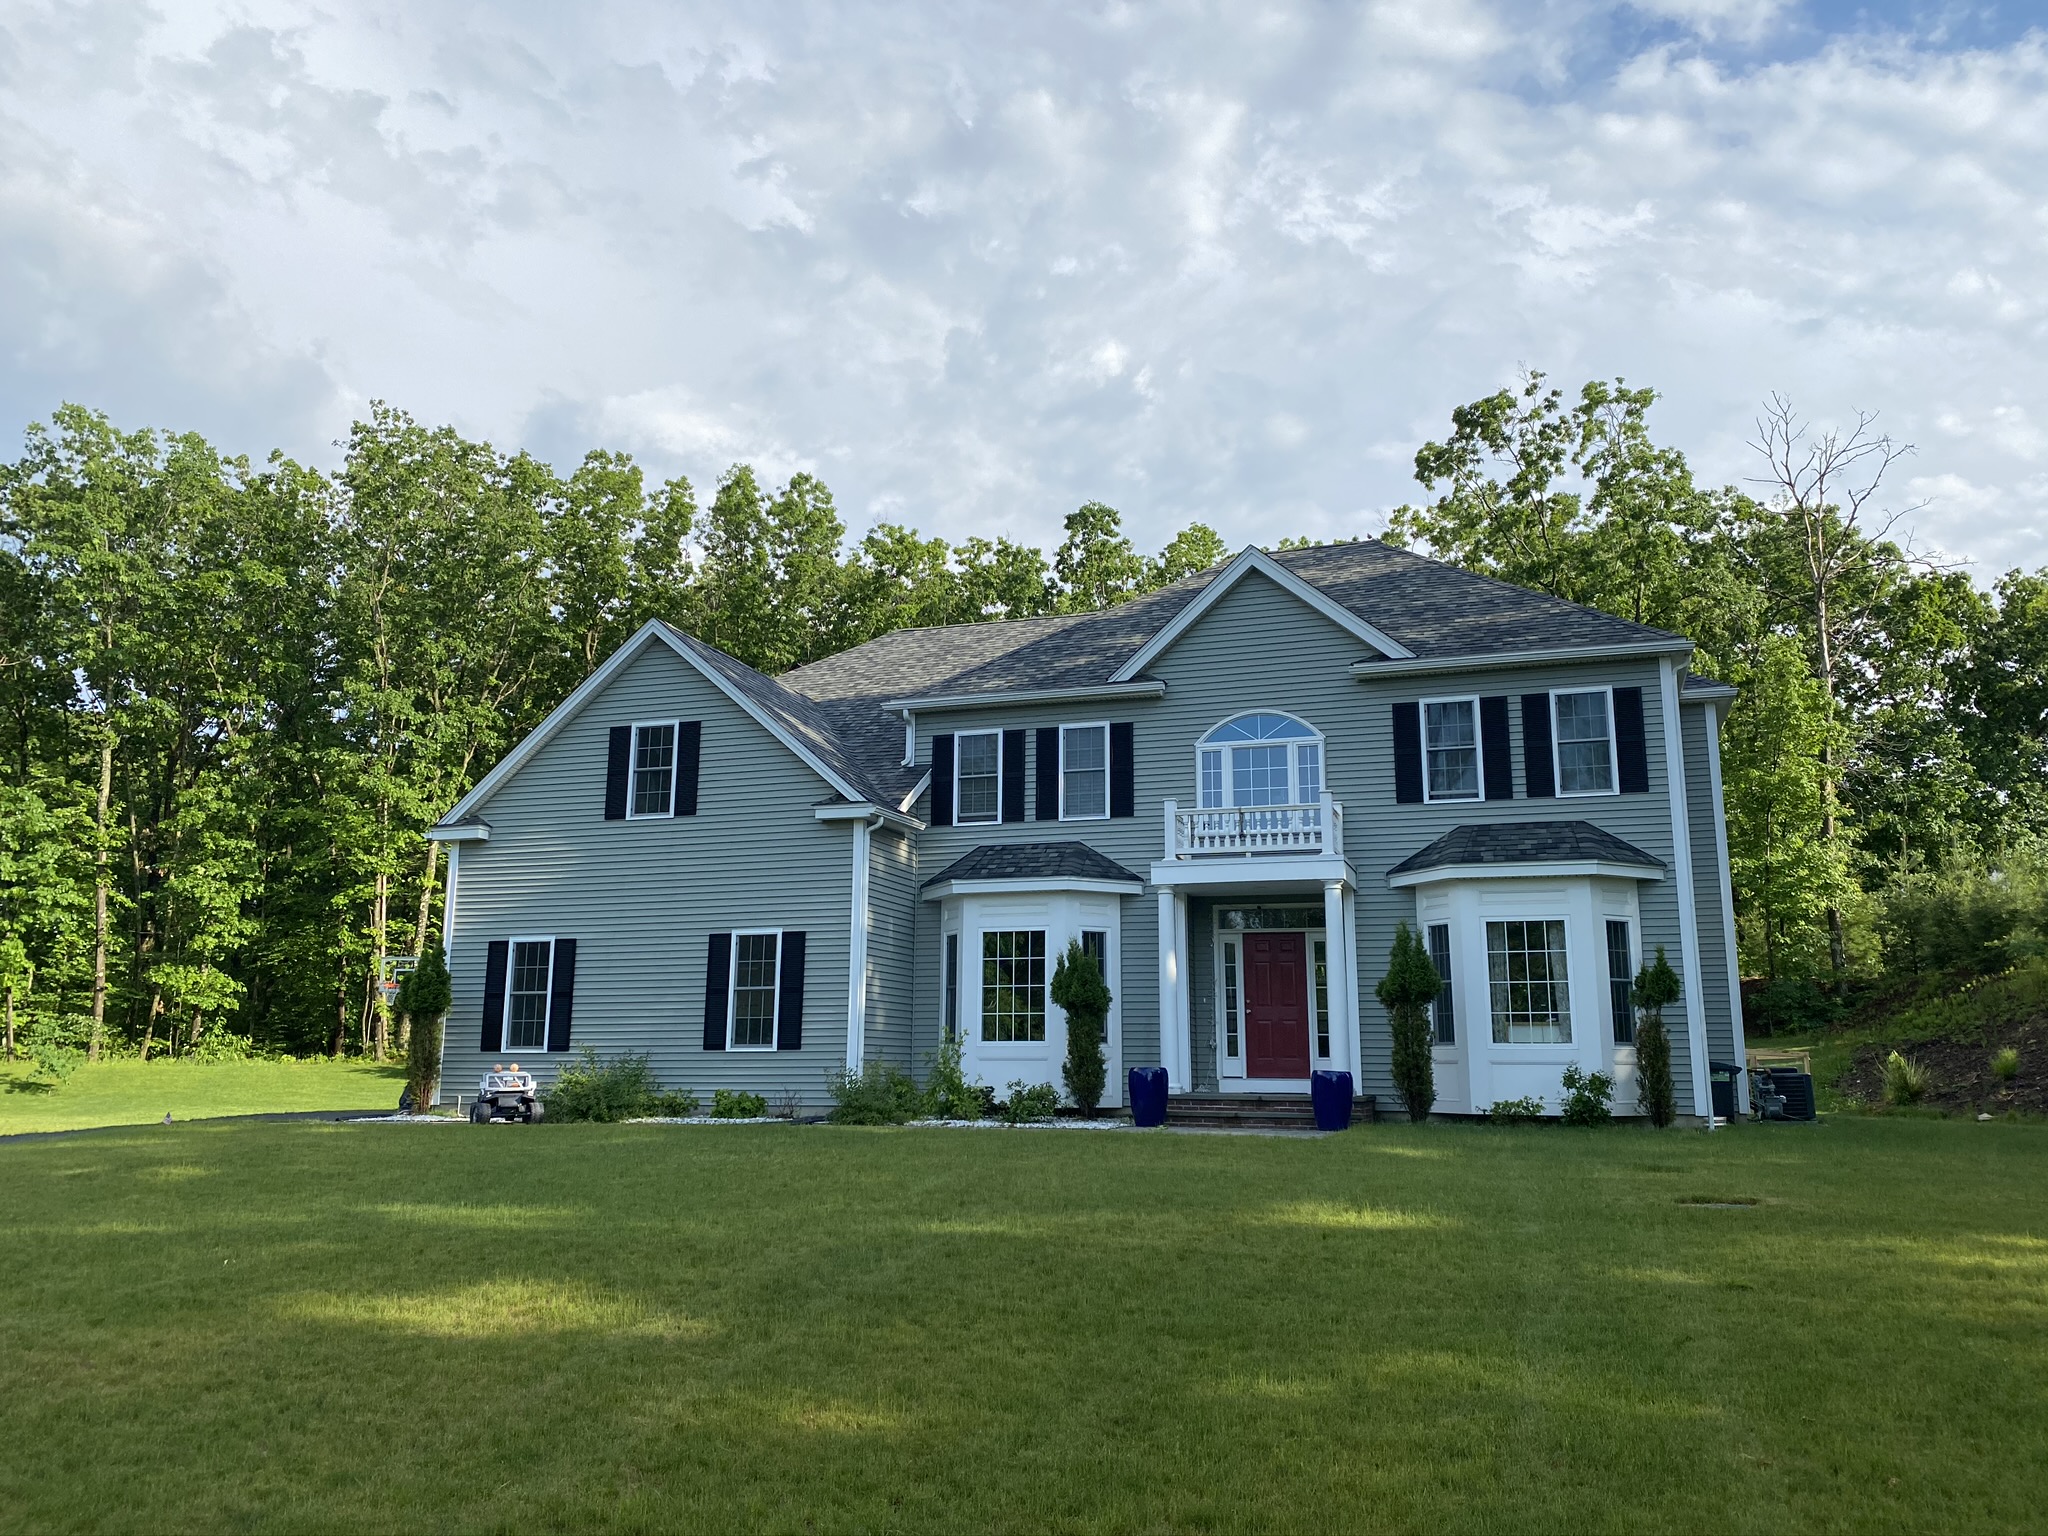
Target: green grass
point(317, 1327)
point(139, 1093)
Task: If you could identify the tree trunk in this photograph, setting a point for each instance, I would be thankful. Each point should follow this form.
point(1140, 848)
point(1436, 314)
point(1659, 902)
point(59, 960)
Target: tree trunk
point(340, 1032)
point(10, 1021)
point(99, 930)
point(156, 1004)
point(380, 1016)
point(419, 934)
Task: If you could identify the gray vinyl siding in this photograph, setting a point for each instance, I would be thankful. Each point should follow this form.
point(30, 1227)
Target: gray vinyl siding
point(1707, 875)
point(1260, 648)
point(892, 918)
point(642, 897)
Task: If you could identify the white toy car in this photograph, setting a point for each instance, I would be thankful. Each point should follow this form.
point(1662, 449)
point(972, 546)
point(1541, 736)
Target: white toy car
point(507, 1094)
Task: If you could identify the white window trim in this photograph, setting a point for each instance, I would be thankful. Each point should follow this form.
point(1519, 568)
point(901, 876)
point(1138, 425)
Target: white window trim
point(1613, 750)
point(547, 1018)
point(1085, 725)
point(1204, 744)
point(991, 821)
point(675, 762)
point(1478, 747)
point(732, 991)
point(1572, 987)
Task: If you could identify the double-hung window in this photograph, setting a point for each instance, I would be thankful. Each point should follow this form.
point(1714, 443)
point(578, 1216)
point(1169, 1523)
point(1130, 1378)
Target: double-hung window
point(1621, 981)
point(1084, 772)
point(756, 976)
point(1450, 749)
point(1525, 964)
point(1443, 1009)
point(952, 986)
point(1013, 986)
point(654, 770)
point(527, 986)
point(1583, 733)
point(977, 776)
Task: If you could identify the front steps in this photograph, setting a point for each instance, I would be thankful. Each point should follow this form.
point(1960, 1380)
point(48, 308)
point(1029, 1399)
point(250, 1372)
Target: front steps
point(1252, 1111)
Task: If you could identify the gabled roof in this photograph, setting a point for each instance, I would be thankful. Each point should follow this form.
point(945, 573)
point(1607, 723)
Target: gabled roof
point(1503, 844)
point(1034, 861)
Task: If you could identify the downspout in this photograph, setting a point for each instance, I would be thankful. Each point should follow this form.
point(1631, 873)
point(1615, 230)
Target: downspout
point(1727, 909)
point(857, 952)
point(1688, 911)
point(447, 950)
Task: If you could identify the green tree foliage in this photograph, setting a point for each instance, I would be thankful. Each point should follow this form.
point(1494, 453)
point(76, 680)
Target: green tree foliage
point(1406, 991)
point(1655, 989)
point(424, 998)
point(1079, 989)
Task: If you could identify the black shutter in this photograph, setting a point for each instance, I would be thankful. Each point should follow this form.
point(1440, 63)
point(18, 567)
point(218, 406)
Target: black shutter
point(618, 768)
point(1539, 777)
point(1408, 754)
point(689, 747)
point(1493, 739)
point(942, 780)
point(562, 995)
point(1123, 768)
point(717, 977)
point(1013, 775)
point(1633, 771)
point(1047, 768)
point(497, 959)
point(789, 998)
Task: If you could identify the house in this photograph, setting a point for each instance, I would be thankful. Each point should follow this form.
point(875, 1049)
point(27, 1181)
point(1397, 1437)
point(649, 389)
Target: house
point(1230, 790)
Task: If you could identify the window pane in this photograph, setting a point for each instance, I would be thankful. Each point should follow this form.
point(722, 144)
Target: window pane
point(1440, 955)
point(1212, 780)
point(1308, 773)
point(1258, 776)
point(1322, 976)
point(1230, 1012)
point(1259, 728)
point(1585, 759)
point(1084, 760)
point(1525, 964)
point(1095, 945)
point(526, 1015)
point(1451, 749)
point(654, 769)
point(753, 989)
point(979, 758)
point(952, 986)
point(1013, 986)
point(1621, 983)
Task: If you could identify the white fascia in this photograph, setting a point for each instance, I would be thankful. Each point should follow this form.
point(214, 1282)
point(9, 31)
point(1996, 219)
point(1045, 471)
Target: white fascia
point(1249, 560)
point(863, 810)
point(459, 832)
point(1557, 869)
point(1502, 660)
point(1250, 873)
point(1027, 886)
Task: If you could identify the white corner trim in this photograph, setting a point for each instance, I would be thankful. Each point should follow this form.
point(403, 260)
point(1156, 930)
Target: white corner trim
point(1255, 559)
point(457, 834)
point(1556, 869)
point(857, 955)
point(1024, 885)
point(1688, 912)
point(1740, 1053)
point(1495, 661)
point(572, 706)
point(1150, 688)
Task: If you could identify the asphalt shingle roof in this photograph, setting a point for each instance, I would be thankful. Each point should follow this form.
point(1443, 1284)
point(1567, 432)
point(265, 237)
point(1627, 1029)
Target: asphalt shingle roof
point(1525, 842)
point(1034, 861)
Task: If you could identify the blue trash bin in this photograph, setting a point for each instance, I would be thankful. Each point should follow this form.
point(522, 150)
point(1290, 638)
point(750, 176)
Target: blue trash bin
point(1148, 1095)
point(1330, 1093)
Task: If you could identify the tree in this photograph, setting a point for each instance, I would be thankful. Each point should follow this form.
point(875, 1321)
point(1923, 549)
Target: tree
point(425, 997)
point(1082, 994)
point(1193, 550)
point(1096, 565)
point(1406, 991)
point(1655, 988)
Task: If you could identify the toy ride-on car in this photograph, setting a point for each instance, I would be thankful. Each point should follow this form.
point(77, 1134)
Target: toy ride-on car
point(506, 1094)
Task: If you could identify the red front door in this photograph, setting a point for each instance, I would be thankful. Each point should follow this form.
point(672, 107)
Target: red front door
point(1276, 1004)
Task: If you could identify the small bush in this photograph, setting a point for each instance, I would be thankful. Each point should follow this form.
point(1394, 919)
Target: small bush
point(604, 1091)
point(424, 996)
point(948, 1095)
point(733, 1104)
point(1587, 1096)
point(54, 1063)
point(1078, 987)
point(1790, 1003)
point(1406, 991)
point(1655, 986)
point(1028, 1102)
point(881, 1093)
point(2005, 1065)
point(1524, 1111)
point(1905, 1082)
point(676, 1104)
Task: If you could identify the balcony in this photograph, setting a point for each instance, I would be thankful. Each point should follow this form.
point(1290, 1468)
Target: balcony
point(1255, 831)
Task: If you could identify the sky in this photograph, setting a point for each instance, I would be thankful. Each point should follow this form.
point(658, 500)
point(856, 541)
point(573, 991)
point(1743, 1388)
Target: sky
point(974, 264)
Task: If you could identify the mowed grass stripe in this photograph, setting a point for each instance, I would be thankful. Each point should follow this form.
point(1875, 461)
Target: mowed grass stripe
point(319, 1327)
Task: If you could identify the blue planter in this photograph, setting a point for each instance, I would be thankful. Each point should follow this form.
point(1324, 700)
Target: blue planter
point(1330, 1093)
point(1148, 1095)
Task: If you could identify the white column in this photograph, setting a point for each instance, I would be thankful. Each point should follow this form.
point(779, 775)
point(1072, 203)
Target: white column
point(1353, 1005)
point(448, 944)
point(1688, 913)
point(1339, 962)
point(1183, 997)
point(1740, 1057)
point(857, 955)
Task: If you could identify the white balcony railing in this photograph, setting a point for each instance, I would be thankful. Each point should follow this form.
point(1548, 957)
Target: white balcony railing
point(1250, 830)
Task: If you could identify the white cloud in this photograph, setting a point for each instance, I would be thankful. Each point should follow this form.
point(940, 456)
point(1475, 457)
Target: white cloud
point(977, 266)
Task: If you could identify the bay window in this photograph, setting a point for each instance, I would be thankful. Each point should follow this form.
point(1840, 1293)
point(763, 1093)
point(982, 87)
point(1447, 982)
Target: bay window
point(1531, 996)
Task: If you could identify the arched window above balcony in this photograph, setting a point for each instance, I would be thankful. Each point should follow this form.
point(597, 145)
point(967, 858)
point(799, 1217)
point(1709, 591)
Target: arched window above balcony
point(1259, 759)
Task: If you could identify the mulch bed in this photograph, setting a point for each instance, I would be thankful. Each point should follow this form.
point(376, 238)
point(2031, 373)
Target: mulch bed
point(1960, 1071)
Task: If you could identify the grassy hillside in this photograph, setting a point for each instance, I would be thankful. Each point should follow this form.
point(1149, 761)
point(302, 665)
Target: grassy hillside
point(139, 1093)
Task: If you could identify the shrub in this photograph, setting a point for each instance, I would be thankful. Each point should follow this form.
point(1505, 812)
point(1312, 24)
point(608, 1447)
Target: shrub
point(1078, 987)
point(733, 1104)
point(2005, 1064)
point(948, 1095)
point(1028, 1102)
point(1790, 1003)
point(1655, 986)
point(1406, 991)
point(1586, 1096)
point(592, 1089)
point(425, 996)
point(1905, 1082)
point(881, 1093)
point(676, 1104)
point(55, 1062)
point(1524, 1111)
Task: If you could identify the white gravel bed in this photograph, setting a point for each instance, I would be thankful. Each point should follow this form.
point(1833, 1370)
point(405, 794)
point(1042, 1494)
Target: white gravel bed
point(707, 1120)
point(1031, 1125)
point(413, 1120)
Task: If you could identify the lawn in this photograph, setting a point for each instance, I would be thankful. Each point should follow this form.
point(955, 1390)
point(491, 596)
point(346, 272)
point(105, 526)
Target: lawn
point(142, 1092)
point(318, 1326)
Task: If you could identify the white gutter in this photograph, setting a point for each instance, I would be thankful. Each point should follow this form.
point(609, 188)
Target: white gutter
point(857, 953)
point(1555, 869)
point(448, 947)
point(1150, 689)
point(1688, 912)
point(1727, 908)
point(1497, 661)
point(862, 810)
